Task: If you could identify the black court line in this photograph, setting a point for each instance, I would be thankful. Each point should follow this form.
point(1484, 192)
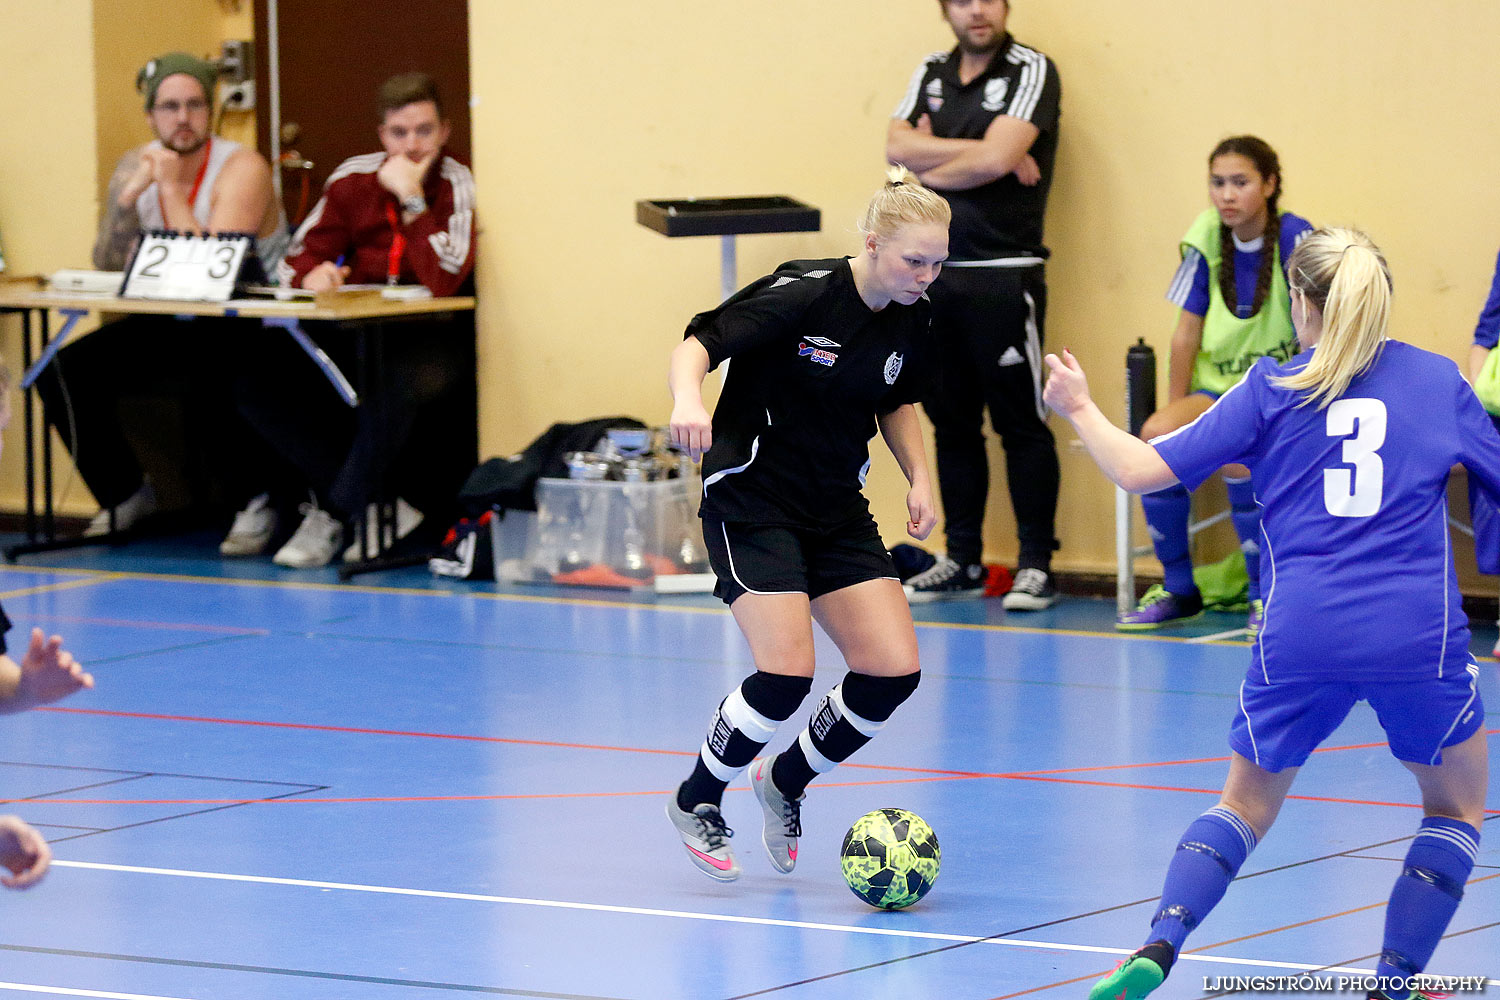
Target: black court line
point(296, 788)
point(1065, 920)
point(162, 774)
point(217, 640)
point(1376, 857)
point(266, 970)
point(43, 796)
point(196, 812)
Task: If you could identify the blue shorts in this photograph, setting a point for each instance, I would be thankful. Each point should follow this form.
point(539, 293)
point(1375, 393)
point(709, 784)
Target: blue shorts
point(1279, 725)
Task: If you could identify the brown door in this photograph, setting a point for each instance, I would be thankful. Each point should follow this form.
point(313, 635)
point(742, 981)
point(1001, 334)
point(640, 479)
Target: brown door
point(334, 54)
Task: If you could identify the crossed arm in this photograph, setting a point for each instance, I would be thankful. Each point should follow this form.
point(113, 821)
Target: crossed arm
point(961, 164)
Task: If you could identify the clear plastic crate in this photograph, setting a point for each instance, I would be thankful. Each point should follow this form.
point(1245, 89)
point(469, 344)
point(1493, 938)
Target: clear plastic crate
point(616, 534)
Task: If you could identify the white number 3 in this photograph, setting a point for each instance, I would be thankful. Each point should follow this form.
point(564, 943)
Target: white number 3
point(1357, 492)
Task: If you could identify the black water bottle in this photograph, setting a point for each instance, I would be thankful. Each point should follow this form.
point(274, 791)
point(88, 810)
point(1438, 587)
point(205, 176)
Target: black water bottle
point(1140, 383)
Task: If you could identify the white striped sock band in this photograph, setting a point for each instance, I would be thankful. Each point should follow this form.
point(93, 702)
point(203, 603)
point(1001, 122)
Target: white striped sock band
point(1247, 835)
point(1467, 845)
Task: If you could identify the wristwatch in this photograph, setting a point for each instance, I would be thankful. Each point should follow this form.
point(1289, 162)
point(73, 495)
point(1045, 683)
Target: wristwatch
point(415, 205)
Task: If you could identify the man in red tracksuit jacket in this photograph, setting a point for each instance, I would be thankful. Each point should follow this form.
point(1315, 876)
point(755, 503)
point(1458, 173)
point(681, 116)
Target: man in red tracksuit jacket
point(401, 216)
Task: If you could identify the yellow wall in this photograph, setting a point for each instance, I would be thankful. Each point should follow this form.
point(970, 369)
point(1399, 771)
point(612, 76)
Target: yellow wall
point(47, 162)
point(68, 70)
point(1381, 114)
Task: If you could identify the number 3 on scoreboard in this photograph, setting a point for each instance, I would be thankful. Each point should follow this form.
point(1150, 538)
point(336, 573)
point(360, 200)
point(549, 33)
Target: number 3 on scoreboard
point(1356, 492)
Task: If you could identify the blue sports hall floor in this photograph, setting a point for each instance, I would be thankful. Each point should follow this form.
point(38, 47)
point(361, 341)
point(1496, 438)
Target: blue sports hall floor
point(284, 786)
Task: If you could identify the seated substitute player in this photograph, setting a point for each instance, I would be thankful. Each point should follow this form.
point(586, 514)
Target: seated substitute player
point(825, 353)
point(1350, 443)
point(404, 215)
point(1235, 252)
point(189, 180)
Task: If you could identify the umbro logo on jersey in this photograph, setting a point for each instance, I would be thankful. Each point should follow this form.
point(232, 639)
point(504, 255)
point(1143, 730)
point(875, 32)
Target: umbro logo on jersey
point(892, 368)
point(823, 342)
point(994, 93)
point(935, 94)
point(1011, 357)
point(820, 356)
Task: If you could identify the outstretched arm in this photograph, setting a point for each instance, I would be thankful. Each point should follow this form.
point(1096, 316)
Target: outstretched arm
point(24, 852)
point(1127, 460)
point(47, 673)
point(692, 427)
point(903, 435)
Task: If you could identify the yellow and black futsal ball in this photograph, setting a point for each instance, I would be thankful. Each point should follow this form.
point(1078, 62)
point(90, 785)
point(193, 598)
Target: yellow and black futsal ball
point(890, 858)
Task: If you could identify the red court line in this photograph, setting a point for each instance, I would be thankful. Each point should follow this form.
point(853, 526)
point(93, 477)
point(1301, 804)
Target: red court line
point(422, 798)
point(315, 727)
point(1047, 775)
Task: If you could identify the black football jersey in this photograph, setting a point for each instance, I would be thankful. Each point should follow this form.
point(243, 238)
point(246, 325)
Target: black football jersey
point(813, 367)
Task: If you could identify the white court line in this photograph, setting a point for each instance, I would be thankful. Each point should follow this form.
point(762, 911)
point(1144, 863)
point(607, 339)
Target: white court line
point(69, 992)
point(688, 915)
point(1233, 633)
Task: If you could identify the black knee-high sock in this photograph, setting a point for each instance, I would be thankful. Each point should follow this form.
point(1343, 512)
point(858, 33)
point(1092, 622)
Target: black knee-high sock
point(846, 719)
point(744, 722)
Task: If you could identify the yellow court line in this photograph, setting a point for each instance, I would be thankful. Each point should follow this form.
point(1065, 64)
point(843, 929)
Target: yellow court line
point(570, 601)
point(65, 585)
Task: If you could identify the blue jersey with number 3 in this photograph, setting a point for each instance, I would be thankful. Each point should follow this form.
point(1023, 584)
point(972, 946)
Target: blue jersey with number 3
point(1356, 563)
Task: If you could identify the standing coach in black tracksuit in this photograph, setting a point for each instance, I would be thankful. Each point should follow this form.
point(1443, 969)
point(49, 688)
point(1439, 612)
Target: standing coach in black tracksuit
point(979, 124)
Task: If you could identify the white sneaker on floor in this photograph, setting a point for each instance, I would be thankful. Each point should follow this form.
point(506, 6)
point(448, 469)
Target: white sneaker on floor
point(316, 542)
point(407, 519)
point(252, 529)
point(706, 838)
point(131, 510)
point(1496, 651)
point(1033, 590)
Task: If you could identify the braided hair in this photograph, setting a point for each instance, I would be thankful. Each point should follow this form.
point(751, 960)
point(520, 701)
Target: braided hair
point(1266, 162)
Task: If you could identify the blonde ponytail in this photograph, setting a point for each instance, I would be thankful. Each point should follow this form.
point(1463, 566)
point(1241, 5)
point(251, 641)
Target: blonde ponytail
point(902, 200)
point(1345, 275)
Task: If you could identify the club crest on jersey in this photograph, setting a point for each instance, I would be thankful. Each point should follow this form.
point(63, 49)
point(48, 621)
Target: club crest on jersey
point(819, 356)
point(892, 368)
point(935, 95)
point(994, 94)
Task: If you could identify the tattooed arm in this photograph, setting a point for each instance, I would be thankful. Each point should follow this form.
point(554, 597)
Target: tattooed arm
point(120, 225)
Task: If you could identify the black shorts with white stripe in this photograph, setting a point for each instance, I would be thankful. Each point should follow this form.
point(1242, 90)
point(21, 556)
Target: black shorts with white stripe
point(776, 559)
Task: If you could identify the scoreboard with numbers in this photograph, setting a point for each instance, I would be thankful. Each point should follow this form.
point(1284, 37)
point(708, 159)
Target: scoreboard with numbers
point(187, 267)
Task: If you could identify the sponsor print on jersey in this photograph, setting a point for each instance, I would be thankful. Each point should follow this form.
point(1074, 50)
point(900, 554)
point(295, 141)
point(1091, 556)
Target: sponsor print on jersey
point(823, 342)
point(935, 95)
point(820, 356)
point(892, 368)
point(994, 93)
point(1282, 352)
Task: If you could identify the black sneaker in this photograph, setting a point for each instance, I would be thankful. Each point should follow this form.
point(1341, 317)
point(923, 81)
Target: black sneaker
point(946, 579)
point(1032, 591)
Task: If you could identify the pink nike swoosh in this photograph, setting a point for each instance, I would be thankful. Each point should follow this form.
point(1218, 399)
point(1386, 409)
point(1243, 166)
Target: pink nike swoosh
point(723, 866)
point(794, 854)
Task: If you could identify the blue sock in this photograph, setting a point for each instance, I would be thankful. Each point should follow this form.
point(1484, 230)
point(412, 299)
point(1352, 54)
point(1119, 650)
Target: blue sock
point(1426, 895)
point(1245, 513)
point(1208, 858)
point(1167, 512)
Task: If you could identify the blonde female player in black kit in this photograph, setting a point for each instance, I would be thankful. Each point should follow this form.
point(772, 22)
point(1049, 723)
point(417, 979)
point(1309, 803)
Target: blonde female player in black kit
point(825, 353)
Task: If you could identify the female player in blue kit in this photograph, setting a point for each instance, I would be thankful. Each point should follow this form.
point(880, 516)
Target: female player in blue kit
point(1350, 444)
point(1232, 291)
point(825, 353)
